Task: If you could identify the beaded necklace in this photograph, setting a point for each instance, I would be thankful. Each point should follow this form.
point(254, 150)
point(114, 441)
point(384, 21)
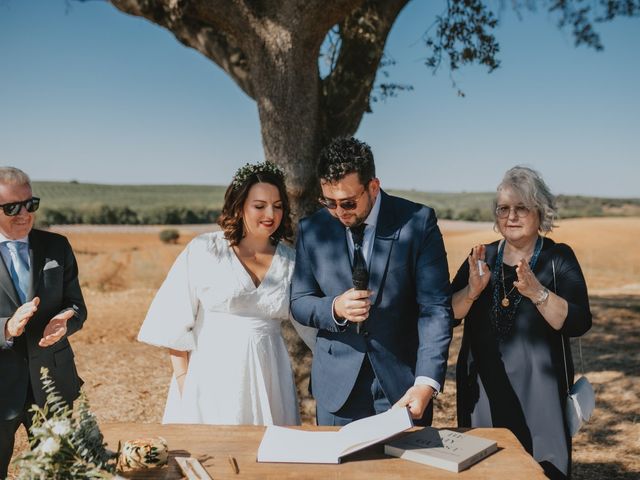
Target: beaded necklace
point(503, 313)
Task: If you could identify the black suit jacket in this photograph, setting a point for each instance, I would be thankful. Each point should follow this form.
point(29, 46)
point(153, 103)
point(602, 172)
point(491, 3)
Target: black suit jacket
point(55, 281)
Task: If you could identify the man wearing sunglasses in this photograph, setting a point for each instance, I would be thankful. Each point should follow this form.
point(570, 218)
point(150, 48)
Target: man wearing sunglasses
point(386, 343)
point(41, 304)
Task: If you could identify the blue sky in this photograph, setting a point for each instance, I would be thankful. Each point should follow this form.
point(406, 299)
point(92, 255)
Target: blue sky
point(90, 94)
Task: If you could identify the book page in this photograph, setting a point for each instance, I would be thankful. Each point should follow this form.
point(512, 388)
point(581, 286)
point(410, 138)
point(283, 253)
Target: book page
point(280, 444)
point(367, 431)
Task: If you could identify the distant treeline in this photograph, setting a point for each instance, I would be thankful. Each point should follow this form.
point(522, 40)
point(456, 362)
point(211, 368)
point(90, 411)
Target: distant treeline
point(78, 203)
point(106, 215)
point(478, 207)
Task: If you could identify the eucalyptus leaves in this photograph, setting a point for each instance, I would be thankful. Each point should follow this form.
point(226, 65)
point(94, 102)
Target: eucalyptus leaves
point(66, 444)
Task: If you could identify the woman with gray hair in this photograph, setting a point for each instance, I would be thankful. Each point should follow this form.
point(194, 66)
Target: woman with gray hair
point(521, 298)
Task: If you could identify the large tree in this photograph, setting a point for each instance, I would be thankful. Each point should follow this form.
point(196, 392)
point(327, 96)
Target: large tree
point(270, 48)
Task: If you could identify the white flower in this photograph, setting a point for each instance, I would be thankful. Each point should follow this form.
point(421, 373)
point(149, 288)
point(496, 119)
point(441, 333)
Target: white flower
point(50, 446)
point(38, 431)
point(61, 427)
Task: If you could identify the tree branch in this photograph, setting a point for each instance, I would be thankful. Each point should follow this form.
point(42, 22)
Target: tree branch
point(582, 17)
point(212, 39)
point(346, 90)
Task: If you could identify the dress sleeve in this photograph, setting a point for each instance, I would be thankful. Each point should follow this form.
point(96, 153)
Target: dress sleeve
point(462, 277)
point(171, 316)
point(307, 334)
point(571, 286)
point(459, 282)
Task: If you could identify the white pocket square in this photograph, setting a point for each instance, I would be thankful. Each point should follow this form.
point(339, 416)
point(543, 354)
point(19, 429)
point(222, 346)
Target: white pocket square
point(51, 264)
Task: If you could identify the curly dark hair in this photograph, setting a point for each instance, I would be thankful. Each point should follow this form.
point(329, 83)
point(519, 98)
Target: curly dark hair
point(230, 220)
point(345, 155)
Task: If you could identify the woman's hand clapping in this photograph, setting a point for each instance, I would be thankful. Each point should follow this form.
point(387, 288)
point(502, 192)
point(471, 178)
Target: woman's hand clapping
point(527, 283)
point(477, 281)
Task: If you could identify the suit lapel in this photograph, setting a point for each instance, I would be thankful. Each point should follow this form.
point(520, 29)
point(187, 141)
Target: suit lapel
point(339, 251)
point(37, 256)
point(7, 284)
point(386, 234)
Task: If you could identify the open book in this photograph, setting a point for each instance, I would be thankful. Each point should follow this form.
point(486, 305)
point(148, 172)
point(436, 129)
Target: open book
point(280, 444)
point(445, 449)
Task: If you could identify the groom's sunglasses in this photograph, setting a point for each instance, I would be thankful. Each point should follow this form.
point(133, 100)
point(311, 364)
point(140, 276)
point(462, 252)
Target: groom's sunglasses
point(350, 204)
point(12, 209)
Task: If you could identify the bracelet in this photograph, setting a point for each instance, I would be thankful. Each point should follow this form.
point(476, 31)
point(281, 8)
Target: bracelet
point(181, 375)
point(544, 296)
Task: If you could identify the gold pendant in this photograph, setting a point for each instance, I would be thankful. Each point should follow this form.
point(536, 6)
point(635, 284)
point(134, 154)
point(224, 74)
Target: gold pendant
point(505, 302)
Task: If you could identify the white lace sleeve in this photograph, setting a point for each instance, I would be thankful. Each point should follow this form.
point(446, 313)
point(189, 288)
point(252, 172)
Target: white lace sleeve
point(171, 316)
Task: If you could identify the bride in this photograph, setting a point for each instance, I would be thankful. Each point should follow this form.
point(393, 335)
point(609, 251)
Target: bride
point(220, 308)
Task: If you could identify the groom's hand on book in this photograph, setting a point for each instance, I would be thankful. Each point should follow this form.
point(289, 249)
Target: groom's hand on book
point(417, 398)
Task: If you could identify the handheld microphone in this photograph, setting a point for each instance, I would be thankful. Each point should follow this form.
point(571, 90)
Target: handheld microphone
point(360, 278)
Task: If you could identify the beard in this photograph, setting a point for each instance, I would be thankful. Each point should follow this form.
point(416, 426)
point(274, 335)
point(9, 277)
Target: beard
point(355, 219)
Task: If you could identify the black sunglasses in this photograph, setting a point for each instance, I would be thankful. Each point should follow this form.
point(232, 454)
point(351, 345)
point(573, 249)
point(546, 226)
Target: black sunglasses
point(344, 204)
point(12, 209)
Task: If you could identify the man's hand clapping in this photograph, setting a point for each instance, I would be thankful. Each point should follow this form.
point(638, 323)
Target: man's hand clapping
point(16, 324)
point(55, 329)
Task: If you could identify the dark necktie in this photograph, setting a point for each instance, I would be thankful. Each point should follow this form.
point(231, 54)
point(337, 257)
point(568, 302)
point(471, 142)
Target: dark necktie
point(357, 233)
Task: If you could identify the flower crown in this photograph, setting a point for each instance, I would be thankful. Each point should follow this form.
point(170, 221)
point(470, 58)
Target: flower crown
point(243, 173)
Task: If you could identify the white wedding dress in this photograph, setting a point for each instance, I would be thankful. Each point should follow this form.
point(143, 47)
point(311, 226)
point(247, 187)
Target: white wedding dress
point(239, 369)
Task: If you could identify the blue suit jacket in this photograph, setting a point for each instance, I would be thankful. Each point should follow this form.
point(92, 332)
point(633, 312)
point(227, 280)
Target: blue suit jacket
point(410, 322)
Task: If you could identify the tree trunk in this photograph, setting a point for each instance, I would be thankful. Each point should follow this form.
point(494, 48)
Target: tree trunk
point(288, 100)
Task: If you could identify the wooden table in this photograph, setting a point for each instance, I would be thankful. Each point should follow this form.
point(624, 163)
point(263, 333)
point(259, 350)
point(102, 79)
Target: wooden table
point(212, 445)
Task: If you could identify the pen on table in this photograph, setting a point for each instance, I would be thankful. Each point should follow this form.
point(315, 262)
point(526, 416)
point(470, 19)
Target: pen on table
point(234, 464)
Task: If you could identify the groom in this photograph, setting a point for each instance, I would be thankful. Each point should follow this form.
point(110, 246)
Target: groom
point(387, 344)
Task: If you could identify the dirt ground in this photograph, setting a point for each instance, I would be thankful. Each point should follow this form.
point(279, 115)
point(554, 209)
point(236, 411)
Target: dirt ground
point(121, 268)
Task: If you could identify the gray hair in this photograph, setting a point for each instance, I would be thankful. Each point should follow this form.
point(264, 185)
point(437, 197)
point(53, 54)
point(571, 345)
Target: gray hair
point(13, 176)
point(530, 187)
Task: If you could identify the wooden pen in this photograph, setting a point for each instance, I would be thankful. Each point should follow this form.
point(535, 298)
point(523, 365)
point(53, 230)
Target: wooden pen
point(234, 464)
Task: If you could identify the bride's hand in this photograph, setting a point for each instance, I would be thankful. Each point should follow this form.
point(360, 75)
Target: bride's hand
point(180, 379)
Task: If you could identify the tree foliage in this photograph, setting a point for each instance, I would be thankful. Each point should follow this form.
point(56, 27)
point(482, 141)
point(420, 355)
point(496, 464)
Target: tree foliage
point(271, 49)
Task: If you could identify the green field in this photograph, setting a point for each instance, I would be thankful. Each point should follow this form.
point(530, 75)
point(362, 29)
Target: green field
point(91, 195)
point(73, 202)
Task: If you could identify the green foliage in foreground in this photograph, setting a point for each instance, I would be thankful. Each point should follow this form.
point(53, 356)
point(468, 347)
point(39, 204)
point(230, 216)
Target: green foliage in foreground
point(66, 444)
point(73, 202)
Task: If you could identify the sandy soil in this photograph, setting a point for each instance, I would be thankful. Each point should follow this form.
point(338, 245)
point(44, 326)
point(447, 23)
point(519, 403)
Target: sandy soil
point(127, 381)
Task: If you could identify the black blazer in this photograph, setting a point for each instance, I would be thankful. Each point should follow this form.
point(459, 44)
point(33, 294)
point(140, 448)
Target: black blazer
point(55, 281)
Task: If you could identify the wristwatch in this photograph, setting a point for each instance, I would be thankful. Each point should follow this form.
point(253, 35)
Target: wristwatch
point(543, 297)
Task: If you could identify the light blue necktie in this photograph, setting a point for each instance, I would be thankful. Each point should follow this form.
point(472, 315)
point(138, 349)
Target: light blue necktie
point(19, 269)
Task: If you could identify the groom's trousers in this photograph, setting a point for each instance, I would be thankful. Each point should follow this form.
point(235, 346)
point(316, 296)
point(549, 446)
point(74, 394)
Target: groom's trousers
point(366, 399)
